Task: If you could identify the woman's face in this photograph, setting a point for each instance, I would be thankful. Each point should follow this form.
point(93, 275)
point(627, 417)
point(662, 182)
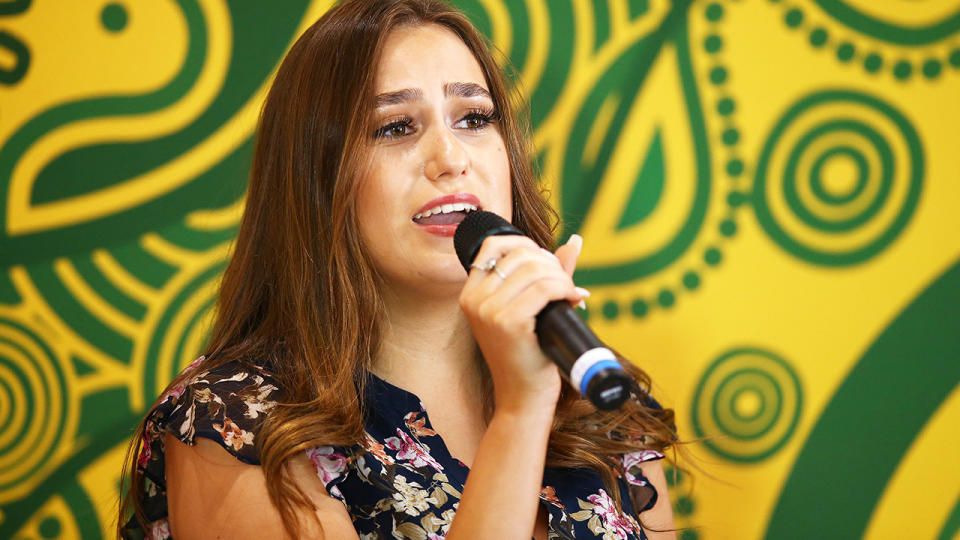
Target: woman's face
point(436, 152)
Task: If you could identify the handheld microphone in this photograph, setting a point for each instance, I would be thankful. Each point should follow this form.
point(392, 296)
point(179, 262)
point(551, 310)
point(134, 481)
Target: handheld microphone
point(583, 359)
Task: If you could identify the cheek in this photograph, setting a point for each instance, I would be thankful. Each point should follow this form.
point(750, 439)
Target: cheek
point(369, 206)
point(374, 194)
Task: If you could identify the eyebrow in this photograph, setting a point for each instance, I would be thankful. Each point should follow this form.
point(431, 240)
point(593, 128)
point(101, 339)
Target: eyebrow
point(459, 89)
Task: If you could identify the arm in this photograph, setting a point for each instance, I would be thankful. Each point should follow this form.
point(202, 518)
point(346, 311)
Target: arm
point(661, 515)
point(212, 494)
point(500, 498)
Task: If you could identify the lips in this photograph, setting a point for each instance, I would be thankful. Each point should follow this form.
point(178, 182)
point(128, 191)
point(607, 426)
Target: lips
point(442, 215)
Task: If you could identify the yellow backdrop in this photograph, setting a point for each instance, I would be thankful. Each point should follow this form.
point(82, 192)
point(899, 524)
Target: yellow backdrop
point(768, 192)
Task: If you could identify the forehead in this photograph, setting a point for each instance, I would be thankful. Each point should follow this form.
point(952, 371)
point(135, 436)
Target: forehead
point(425, 57)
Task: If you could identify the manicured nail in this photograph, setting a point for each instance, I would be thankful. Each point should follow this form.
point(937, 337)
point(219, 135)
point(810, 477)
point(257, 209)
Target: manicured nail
point(582, 292)
point(577, 241)
point(582, 305)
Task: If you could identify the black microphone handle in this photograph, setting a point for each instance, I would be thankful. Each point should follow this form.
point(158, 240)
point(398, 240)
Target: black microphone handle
point(583, 359)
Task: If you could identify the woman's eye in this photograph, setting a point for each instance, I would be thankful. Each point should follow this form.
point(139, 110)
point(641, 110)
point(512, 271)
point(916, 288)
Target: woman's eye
point(478, 119)
point(474, 121)
point(394, 130)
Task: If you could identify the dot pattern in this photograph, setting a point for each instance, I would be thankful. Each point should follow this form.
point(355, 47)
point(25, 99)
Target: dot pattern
point(684, 505)
point(873, 62)
point(725, 107)
point(114, 17)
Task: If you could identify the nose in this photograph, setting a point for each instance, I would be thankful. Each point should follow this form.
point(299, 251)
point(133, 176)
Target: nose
point(445, 157)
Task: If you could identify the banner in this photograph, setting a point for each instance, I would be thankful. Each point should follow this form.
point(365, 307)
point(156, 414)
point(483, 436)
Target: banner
point(768, 193)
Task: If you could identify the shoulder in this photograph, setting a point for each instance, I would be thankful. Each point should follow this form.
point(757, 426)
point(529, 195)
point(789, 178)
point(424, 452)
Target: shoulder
point(226, 404)
point(214, 491)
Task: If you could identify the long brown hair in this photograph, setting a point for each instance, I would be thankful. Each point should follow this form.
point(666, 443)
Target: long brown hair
point(300, 294)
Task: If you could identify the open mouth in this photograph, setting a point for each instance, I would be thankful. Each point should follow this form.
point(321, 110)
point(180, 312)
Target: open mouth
point(444, 214)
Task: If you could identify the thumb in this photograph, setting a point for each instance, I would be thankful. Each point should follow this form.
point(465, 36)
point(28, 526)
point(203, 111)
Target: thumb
point(569, 252)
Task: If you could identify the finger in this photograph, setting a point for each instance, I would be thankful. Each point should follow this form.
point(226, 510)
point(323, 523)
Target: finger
point(569, 252)
point(508, 252)
point(526, 275)
point(529, 300)
point(541, 263)
point(495, 248)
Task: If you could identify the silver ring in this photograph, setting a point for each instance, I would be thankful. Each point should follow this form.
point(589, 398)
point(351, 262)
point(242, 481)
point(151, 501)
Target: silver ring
point(498, 272)
point(491, 264)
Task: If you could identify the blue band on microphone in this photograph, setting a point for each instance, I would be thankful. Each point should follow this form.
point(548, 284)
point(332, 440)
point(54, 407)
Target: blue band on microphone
point(592, 370)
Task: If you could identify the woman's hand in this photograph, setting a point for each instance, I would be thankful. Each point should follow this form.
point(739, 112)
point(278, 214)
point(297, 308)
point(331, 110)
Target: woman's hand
point(501, 310)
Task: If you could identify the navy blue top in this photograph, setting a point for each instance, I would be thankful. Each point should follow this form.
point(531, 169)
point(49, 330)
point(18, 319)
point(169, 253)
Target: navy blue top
point(401, 482)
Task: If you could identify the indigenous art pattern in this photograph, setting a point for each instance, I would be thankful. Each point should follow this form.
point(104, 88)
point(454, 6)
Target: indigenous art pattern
point(767, 191)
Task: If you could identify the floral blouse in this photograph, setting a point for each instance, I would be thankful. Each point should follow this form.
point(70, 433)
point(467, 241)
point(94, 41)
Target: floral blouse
point(401, 482)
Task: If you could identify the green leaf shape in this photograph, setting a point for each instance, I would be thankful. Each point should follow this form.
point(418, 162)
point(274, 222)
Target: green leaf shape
point(580, 183)
point(648, 186)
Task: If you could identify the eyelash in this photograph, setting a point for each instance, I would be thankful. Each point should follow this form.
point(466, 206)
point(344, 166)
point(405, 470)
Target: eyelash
point(487, 116)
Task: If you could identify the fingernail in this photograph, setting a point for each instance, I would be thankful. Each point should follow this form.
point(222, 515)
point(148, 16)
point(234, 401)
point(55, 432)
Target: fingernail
point(582, 305)
point(582, 292)
point(577, 241)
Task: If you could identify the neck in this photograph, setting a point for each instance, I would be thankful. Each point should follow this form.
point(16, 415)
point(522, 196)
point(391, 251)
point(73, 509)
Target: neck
point(427, 339)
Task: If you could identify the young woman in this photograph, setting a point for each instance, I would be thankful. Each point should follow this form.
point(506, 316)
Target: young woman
point(358, 383)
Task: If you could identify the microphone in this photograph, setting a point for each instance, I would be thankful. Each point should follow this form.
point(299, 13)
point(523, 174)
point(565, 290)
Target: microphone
point(583, 359)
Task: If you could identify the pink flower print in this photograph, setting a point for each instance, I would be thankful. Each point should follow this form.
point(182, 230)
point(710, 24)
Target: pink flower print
point(615, 524)
point(233, 435)
point(635, 458)
point(410, 450)
point(144, 458)
point(327, 462)
point(174, 393)
point(159, 530)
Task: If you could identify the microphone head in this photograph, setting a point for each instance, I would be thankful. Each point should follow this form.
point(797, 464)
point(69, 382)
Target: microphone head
point(474, 229)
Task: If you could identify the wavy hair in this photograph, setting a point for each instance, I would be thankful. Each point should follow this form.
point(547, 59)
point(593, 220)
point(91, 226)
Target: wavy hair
point(301, 295)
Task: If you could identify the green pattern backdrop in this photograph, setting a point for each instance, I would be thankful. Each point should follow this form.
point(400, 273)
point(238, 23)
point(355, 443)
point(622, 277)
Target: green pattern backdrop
point(767, 189)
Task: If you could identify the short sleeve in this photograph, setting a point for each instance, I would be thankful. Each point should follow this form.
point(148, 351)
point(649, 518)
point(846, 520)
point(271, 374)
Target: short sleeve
point(643, 493)
point(226, 404)
point(331, 464)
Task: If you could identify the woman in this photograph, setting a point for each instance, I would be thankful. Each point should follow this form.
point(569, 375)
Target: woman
point(345, 317)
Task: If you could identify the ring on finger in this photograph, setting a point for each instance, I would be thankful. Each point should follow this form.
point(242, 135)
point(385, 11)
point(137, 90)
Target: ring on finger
point(498, 271)
point(491, 264)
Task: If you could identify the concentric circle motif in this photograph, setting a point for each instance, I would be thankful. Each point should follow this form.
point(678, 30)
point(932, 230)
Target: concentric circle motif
point(182, 332)
point(839, 178)
point(747, 403)
point(33, 408)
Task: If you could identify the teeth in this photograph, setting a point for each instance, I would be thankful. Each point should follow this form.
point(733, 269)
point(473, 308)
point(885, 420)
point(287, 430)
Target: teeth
point(446, 209)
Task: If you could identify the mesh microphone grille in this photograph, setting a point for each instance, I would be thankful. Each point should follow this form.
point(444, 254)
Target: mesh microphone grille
point(472, 231)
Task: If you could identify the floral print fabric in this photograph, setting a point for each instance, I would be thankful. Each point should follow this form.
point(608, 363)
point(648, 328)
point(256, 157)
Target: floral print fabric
point(401, 482)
